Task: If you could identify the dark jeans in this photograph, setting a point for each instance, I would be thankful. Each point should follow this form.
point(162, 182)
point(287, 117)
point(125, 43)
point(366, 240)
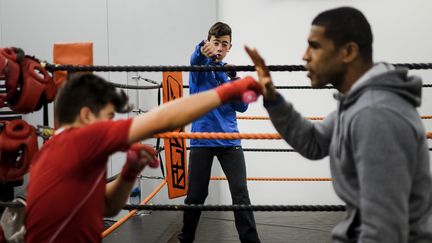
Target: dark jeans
point(233, 164)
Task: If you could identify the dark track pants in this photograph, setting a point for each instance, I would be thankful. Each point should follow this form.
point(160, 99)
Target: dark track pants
point(233, 164)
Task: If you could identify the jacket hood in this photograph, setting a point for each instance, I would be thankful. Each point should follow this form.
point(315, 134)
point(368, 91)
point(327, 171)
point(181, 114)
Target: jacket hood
point(396, 81)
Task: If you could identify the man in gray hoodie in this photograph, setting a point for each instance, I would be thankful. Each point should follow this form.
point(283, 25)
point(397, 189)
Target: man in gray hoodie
point(377, 145)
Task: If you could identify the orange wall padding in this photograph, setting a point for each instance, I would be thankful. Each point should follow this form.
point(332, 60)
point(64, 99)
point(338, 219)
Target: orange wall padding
point(71, 54)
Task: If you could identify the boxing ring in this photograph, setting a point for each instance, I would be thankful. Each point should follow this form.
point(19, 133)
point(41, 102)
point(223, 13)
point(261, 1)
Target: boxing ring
point(275, 223)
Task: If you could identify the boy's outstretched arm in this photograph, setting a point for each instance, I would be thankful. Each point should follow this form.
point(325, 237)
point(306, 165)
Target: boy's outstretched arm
point(182, 111)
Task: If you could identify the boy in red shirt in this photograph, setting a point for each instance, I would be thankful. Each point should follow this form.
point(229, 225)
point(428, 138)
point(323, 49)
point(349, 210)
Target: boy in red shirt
point(67, 193)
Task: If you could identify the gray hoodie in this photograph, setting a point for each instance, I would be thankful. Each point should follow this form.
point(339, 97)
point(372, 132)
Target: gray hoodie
point(379, 156)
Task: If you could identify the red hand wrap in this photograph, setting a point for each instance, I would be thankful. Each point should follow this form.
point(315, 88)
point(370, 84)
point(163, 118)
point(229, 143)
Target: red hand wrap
point(133, 166)
point(130, 171)
point(234, 90)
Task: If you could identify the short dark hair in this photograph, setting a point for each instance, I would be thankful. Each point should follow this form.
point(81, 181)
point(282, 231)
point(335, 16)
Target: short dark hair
point(346, 24)
point(87, 90)
point(219, 29)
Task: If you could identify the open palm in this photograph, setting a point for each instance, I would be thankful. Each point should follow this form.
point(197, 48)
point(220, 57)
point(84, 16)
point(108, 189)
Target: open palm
point(264, 77)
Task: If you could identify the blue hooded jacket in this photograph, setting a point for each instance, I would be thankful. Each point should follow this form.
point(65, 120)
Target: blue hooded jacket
point(221, 119)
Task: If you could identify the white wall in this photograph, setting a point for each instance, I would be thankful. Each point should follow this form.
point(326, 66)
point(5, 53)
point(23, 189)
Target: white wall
point(130, 32)
point(164, 32)
point(279, 30)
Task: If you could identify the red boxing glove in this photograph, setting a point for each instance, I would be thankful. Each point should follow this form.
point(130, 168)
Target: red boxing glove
point(234, 90)
point(138, 156)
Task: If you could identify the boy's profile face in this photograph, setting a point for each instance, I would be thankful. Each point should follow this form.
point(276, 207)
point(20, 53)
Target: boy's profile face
point(105, 114)
point(222, 44)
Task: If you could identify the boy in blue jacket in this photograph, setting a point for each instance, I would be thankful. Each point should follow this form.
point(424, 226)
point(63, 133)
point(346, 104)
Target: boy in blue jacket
point(211, 52)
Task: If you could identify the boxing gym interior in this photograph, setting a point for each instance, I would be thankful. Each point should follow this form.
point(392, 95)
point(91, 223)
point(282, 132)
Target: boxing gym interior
point(144, 48)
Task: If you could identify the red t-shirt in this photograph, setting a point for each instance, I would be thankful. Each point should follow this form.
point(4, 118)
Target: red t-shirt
point(61, 176)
